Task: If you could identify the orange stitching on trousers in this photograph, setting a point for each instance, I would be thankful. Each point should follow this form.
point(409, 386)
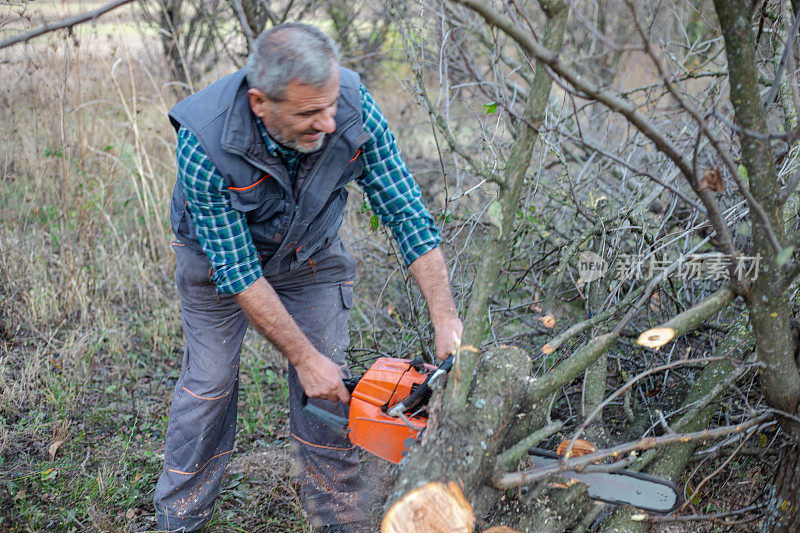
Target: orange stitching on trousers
point(322, 446)
point(203, 397)
point(199, 469)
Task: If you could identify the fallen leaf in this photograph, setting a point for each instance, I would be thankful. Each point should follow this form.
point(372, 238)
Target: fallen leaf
point(130, 514)
point(580, 448)
point(54, 448)
point(712, 179)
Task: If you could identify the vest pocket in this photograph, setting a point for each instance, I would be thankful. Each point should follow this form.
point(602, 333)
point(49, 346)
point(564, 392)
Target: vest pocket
point(250, 197)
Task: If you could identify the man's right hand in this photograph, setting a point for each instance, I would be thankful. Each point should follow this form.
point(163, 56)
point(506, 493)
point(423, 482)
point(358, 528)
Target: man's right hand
point(319, 376)
point(322, 378)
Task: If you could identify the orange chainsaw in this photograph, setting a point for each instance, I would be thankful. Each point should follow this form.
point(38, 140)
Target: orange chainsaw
point(388, 405)
point(388, 409)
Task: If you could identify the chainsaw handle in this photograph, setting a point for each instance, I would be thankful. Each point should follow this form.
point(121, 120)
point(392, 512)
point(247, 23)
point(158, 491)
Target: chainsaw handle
point(414, 399)
point(326, 417)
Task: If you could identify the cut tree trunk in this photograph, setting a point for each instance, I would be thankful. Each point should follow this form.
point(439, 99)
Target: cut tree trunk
point(461, 443)
point(461, 446)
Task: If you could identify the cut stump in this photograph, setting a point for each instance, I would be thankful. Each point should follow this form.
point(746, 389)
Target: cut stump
point(432, 508)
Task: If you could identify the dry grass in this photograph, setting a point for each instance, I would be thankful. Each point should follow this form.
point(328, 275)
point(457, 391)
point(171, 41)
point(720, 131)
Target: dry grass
point(90, 337)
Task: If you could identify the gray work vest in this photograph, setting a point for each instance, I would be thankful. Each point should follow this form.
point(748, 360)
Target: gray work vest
point(288, 221)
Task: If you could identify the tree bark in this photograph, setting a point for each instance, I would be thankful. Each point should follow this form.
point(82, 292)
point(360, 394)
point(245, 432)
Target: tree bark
point(782, 515)
point(769, 309)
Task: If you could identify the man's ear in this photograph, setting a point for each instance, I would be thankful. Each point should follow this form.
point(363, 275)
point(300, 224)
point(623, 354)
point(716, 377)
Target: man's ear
point(258, 102)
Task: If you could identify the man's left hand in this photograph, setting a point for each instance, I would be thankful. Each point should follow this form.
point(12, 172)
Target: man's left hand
point(447, 336)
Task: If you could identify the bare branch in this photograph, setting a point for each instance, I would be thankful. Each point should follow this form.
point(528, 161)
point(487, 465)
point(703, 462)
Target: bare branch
point(590, 89)
point(629, 384)
point(781, 66)
point(613, 102)
point(243, 22)
point(705, 517)
point(63, 23)
point(754, 204)
point(526, 477)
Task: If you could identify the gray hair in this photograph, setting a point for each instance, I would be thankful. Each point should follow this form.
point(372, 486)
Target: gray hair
point(287, 52)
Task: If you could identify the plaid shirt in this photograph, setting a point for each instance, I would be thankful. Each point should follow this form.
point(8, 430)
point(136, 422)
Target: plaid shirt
point(223, 232)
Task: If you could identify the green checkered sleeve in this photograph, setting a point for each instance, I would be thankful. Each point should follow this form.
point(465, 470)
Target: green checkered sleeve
point(222, 231)
point(392, 192)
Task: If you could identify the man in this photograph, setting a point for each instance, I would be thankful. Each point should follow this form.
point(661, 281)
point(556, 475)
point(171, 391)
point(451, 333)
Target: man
point(264, 155)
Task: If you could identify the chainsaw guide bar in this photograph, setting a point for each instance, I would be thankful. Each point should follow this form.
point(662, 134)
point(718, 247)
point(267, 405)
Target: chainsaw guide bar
point(622, 487)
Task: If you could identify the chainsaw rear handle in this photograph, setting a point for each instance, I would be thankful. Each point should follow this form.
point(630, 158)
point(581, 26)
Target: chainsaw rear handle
point(413, 401)
point(326, 417)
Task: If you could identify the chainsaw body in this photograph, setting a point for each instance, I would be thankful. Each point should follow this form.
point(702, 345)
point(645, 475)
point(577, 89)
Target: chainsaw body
point(387, 382)
point(387, 406)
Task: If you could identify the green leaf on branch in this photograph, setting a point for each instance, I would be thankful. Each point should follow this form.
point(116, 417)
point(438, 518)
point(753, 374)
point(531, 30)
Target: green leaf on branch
point(784, 255)
point(490, 108)
point(365, 206)
point(373, 222)
point(743, 172)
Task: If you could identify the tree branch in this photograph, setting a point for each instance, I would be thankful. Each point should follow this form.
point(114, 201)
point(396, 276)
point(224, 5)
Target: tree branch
point(613, 102)
point(526, 477)
point(63, 23)
point(754, 204)
point(244, 23)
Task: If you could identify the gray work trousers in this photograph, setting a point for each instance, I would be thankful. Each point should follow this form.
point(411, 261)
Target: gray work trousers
point(202, 419)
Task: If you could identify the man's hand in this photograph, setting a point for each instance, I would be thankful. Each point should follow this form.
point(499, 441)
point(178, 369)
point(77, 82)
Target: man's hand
point(430, 272)
point(322, 378)
point(447, 336)
point(319, 376)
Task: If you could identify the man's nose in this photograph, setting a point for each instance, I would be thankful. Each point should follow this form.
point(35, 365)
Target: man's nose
point(325, 123)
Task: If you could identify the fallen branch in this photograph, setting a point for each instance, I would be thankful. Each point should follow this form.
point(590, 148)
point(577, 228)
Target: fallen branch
point(526, 477)
point(508, 458)
point(63, 23)
point(629, 384)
